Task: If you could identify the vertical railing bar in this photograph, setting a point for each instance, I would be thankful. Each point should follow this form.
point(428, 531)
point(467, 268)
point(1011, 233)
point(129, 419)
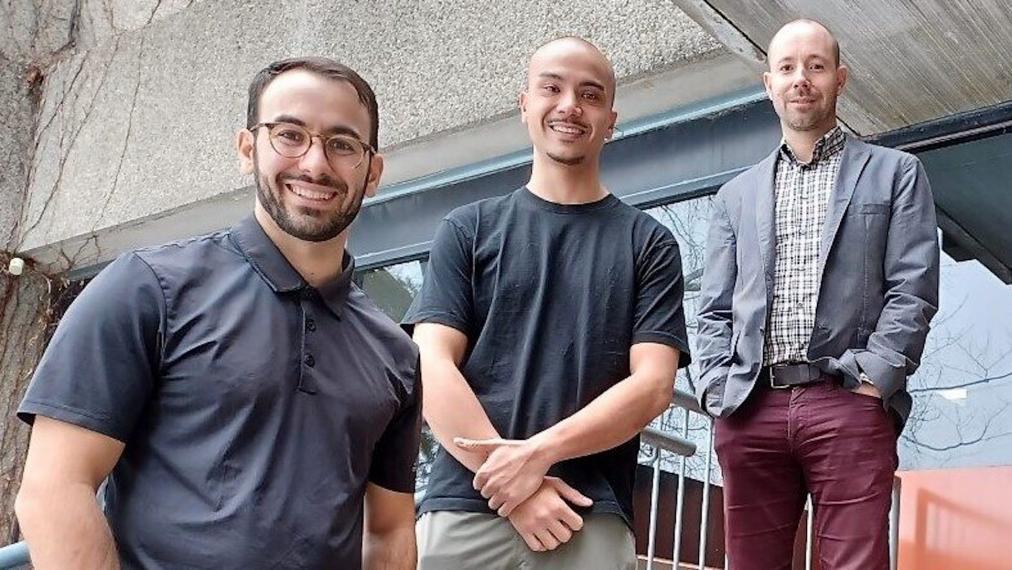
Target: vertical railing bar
point(894, 524)
point(654, 507)
point(705, 516)
point(676, 548)
point(809, 528)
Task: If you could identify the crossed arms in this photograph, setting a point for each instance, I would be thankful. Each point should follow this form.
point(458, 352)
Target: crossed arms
point(511, 474)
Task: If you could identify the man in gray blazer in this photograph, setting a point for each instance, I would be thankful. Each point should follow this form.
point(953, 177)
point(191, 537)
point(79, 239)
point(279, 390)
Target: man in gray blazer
point(820, 283)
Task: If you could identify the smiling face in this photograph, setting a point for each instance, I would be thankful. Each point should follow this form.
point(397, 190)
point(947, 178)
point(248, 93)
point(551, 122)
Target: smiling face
point(311, 198)
point(567, 105)
point(805, 77)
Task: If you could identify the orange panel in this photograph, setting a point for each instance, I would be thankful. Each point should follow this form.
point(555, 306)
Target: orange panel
point(956, 519)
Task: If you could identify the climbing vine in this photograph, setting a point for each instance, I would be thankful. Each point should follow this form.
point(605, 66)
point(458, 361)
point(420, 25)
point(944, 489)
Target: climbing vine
point(30, 307)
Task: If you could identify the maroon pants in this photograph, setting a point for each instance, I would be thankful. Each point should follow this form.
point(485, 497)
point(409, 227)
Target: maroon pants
point(821, 438)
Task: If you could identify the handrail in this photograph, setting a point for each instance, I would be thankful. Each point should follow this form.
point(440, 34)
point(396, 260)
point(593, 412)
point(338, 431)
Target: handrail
point(687, 401)
point(683, 448)
point(14, 555)
point(667, 441)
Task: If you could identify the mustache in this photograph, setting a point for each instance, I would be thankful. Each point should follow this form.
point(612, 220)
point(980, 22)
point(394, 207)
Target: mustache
point(323, 180)
point(570, 121)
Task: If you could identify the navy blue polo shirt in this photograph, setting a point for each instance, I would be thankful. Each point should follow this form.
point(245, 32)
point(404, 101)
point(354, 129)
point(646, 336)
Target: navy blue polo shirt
point(254, 407)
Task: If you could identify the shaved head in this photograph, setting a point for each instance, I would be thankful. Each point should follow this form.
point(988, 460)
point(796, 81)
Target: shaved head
point(570, 45)
point(805, 77)
point(568, 102)
point(802, 25)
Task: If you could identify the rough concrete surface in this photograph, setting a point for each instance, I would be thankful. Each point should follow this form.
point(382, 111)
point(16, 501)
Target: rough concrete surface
point(143, 121)
point(17, 115)
point(910, 61)
point(102, 19)
point(31, 30)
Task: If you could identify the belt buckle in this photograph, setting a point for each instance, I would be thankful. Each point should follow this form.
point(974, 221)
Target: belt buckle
point(773, 384)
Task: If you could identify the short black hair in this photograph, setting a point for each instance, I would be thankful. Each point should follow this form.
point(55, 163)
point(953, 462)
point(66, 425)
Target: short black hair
point(323, 66)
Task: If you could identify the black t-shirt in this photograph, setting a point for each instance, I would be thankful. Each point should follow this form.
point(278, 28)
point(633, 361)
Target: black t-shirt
point(551, 297)
point(254, 408)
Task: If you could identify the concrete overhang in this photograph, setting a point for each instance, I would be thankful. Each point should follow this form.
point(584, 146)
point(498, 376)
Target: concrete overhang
point(929, 76)
point(910, 61)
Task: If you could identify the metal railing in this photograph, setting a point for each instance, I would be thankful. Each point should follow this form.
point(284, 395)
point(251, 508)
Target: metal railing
point(682, 447)
point(14, 555)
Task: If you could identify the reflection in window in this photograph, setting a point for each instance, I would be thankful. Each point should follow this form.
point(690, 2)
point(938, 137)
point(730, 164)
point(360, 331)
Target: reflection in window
point(688, 221)
point(962, 413)
point(962, 393)
point(393, 287)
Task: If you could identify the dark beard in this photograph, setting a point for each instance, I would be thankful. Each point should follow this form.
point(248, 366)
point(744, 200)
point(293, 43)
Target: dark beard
point(330, 229)
point(567, 161)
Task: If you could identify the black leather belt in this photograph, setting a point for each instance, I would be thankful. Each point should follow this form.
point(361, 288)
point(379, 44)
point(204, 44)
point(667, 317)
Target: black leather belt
point(783, 376)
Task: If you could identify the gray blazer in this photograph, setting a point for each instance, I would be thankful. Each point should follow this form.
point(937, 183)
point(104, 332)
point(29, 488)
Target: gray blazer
point(879, 282)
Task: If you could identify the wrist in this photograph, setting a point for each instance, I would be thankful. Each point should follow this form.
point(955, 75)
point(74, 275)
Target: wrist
point(543, 449)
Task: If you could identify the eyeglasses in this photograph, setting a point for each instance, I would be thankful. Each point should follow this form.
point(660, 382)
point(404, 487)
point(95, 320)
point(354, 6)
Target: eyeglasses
point(294, 141)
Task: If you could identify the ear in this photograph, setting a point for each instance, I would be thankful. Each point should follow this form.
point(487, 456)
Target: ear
point(522, 104)
point(611, 125)
point(373, 176)
point(245, 146)
point(842, 73)
point(766, 84)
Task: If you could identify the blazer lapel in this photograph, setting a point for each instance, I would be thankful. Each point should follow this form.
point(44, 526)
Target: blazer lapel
point(765, 202)
point(855, 157)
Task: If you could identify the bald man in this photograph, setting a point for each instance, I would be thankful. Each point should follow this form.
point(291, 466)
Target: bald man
point(821, 279)
point(550, 327)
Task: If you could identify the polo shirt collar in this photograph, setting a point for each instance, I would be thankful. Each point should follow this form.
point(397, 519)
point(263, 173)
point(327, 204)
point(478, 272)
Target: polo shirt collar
point(268, 261)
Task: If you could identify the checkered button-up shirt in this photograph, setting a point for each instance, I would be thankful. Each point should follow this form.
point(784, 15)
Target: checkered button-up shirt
point(802, 194)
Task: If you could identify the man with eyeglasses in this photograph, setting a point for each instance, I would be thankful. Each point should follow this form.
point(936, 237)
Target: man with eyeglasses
point(246, 400)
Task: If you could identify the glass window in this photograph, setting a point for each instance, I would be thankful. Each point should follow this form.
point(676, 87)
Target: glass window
point(962, 393)
point(963, 390)
point(393, 287)
point(688, 221)
point(962, 410)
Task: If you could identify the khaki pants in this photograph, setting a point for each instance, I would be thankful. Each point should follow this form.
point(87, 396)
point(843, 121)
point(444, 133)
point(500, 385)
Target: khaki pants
point(458, 540)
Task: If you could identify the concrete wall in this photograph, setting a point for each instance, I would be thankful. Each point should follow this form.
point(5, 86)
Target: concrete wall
point(139, 109)
point(29, 35)
point(17, 116)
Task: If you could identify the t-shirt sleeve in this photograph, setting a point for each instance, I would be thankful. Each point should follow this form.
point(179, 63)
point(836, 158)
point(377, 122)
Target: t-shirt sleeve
point(395, 456)
point(660, 315)
point(100, 366)
point(446, 296)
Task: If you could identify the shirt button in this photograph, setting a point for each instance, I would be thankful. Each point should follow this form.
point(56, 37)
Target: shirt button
point(310, 325)
point(309, 360)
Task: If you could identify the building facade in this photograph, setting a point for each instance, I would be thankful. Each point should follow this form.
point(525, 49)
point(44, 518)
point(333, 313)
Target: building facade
point(118, 120)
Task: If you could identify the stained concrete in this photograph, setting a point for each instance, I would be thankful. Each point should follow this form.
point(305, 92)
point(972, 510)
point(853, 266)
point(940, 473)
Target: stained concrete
point(17, 116)
point(138, 119)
